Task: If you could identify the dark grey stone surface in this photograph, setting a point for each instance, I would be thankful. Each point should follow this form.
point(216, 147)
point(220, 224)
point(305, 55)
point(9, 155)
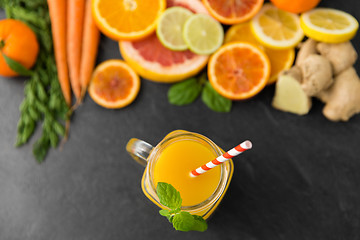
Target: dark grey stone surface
point(300, 181)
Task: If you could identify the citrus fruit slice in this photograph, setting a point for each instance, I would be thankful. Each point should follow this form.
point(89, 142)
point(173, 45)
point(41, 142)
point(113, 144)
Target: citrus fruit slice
point(241, 32)
point(275, 28)
point(114, 84)
point(329, 25)
point(170, 27)
point(151, 60)
point(127, 19)
point(238, 70)
point(232, 12)
point(203, 34)
point(280, 59)
point(295, 6)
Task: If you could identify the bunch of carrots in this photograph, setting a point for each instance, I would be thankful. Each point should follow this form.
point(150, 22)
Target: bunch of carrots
point(76, 39)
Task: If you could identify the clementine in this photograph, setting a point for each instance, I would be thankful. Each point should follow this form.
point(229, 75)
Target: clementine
point(18, 42)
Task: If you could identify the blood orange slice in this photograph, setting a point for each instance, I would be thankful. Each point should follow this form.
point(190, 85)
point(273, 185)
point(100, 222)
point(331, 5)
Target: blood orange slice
point(114, 84)
point(231, 12)
point(151, 60)
point(238, 70)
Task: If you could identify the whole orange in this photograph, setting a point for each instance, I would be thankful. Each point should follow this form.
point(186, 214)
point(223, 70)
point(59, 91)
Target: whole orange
point(18, 42)
point(295, 6)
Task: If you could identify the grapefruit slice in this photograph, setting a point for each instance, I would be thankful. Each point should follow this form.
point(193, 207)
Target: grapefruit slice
point(152, 61)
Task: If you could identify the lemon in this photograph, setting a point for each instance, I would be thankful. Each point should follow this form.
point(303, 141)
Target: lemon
point(203, 34)
point(329, 25)
point(170, 27)
point(275, 28)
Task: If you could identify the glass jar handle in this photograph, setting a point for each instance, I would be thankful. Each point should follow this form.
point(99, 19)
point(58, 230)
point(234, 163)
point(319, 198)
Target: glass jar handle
point(139, 150)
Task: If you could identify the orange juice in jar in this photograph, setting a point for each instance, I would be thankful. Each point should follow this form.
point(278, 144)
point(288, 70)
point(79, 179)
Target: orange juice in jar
point(173, 159)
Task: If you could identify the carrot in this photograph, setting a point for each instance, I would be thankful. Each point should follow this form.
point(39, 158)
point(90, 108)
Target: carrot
point(90, 44)
point(75, 18)
point(57, 12)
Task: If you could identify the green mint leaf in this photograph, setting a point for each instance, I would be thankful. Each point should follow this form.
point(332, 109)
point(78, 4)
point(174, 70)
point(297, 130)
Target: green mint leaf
point(199, 224)
point(184, 92)
point(16, 66)
point(183, 221)
point(164, 212)
point(214, 100)
point(168, 195)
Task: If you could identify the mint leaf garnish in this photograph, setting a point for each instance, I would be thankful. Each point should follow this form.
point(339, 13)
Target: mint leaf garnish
point(164, 212)
point(199, 224)
point(184, 92)
point(181, 220)
point(214, 100)
point(168, 195)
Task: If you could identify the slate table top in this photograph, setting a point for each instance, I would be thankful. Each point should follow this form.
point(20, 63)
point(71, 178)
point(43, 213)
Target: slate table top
point(300, 181)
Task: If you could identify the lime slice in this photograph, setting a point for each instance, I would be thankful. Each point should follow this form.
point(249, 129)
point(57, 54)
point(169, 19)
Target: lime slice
point(170, 27)
point(203, 34)
point(277, 29)
point(329, 25)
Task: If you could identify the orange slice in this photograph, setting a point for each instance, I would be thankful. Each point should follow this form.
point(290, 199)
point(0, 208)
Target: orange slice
point(114, 84)
point(280, 59)
point(127, 19)
point(231, 12)
point(238, 70)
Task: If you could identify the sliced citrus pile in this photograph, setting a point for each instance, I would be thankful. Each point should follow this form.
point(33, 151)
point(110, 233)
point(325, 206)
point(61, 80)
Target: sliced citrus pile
point(127, 19)
point(151, 60)
point(203, 34)
point(276, 28)
point(238, 70)
point(295, 6)
point(280, 59)
point(114, 84)
point(170, 28)
point(232, 12)
point(329, 25)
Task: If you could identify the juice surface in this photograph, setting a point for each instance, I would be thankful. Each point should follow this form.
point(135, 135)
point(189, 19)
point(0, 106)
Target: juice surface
point(176, 162)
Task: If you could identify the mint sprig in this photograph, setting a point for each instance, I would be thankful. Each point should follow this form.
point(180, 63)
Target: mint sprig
point(214, 100)
point(181, 220)
point(187, 91)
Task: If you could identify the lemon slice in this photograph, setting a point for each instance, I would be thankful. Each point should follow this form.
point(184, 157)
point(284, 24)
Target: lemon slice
point(329, 25)
point(170, 27)
point(276, 29)
point(203, 34)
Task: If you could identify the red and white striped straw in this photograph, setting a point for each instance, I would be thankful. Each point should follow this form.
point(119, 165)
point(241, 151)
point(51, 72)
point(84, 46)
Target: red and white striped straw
point(242, 147)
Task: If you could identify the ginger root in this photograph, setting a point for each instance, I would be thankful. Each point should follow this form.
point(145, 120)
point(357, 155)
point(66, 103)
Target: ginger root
point(289, 95)
point(323, 70)
point(341, 55)
point(306, 48)
point(317, 74)
point(343, 97)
